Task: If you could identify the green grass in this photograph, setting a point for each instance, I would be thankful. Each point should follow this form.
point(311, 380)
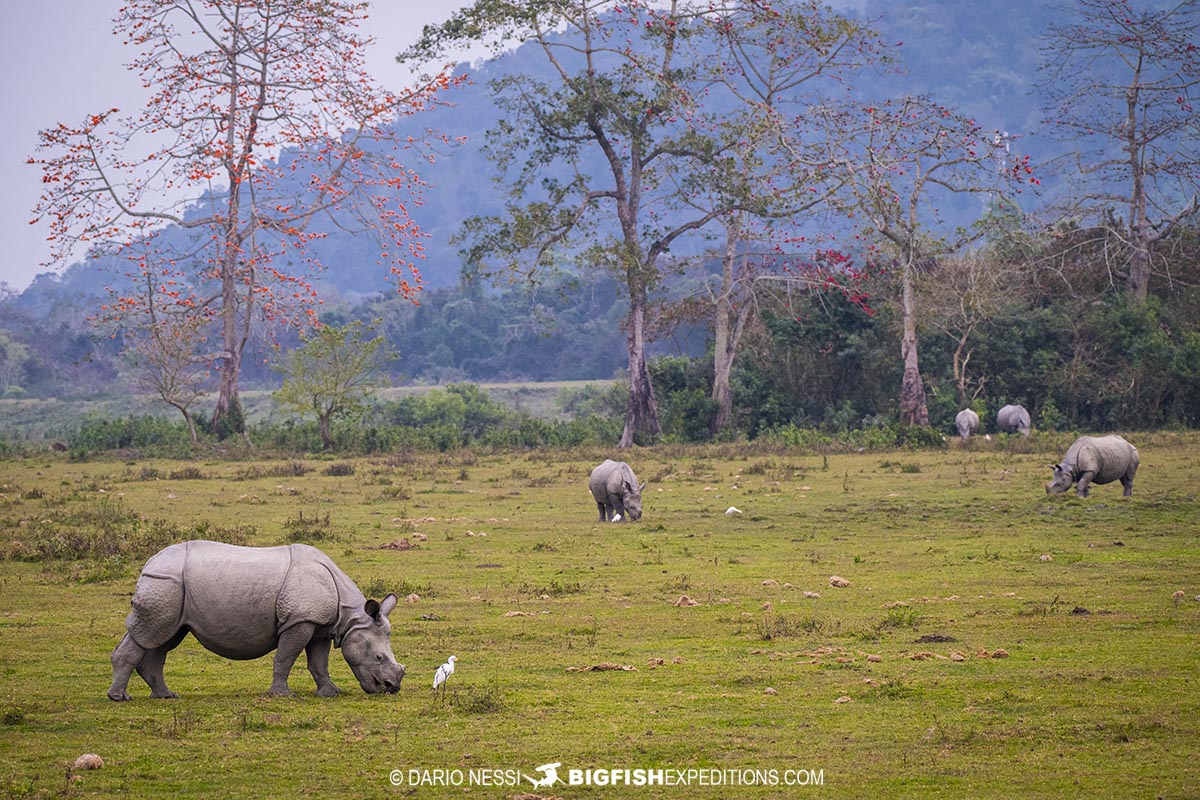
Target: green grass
point(943, 551)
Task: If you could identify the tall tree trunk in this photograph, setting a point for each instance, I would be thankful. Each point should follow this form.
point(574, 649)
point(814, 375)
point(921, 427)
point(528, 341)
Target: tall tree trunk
point(227, 417)
point(1140, 234)
point(913, 410)
point(727, 329)
point(961, 356)
point(722, 396)
point(1138, 281)
point(641, 409)
point(187, 417)
point(326, 431)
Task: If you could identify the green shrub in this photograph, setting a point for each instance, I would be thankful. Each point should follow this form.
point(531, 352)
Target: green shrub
point(109, 535)
point(149, 433)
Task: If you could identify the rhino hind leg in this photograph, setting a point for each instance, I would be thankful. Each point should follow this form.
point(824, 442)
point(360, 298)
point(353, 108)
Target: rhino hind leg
point(152, 630)
point(1127, 480)
point(603, 512)
point(128, 656)
point(151, 667)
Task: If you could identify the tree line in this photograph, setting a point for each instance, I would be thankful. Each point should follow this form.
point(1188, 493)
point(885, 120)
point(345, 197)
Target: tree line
point(705, 155)
point(1040, 322)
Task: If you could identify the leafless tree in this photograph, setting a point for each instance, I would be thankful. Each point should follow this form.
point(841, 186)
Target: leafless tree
point(1120, 84)
point(962, 294)
point(900, 159)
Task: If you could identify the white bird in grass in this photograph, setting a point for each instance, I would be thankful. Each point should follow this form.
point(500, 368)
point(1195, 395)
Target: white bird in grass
point(443, 672)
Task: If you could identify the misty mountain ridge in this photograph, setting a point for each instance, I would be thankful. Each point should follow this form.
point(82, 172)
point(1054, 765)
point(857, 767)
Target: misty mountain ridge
point(981, 63)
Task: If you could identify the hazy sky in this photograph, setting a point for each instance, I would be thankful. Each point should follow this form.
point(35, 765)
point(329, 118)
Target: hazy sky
point(62, 61)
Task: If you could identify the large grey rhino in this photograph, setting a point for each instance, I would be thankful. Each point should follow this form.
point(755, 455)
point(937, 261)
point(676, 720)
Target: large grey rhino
point(967, 422)
point(616, 491)
point(1095, 459)
point(244, 602)
point(1013, 419)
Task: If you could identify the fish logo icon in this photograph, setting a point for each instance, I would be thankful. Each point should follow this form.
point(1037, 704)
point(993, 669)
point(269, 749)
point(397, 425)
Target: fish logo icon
point(549, 775)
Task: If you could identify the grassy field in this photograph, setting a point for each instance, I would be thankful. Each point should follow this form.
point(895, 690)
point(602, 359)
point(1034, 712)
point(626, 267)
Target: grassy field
point(992, 641)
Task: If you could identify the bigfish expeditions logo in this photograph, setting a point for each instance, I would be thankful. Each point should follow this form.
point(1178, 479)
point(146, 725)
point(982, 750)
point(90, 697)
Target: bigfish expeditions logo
point(655, 777)
point(549, 776)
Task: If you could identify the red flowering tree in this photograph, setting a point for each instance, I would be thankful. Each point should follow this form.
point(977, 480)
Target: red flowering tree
point(262, 113)
point(901, 160)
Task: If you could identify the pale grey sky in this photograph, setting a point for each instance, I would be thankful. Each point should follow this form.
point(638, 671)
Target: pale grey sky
point(63, 62)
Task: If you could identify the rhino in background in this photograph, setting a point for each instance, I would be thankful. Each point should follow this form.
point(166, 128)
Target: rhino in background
point(616, 491)
point(967, 422)
point(244, 602)
point(1013, 419)
point(1092, 459)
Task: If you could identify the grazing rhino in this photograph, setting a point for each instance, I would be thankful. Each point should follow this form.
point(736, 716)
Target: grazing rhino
point(967, 422)
point(1012, 419)
point(1095, 459)
point(616, 490)
point(244, 602)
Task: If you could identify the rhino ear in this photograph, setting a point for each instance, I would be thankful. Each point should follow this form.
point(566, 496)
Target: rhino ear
point(388, 604)
point(372, 609)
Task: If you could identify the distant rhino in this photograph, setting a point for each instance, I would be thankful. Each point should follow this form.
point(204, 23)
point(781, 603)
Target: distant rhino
point(244, 602)
point(967, 422)
point(1093, 459)
point(616, 491)
point(1013, 419)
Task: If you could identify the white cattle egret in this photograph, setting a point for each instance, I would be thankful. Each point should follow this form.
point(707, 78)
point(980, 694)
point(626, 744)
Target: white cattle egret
point(443, 672)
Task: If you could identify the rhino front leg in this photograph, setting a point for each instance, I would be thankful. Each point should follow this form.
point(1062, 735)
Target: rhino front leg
point(317, 653)
point(1081, 488)
point(291, 643)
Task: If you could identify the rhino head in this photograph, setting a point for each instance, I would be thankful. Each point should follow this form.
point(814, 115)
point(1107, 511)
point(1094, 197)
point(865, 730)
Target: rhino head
point(367, 648)
point(631, 498)
point(1061, 481)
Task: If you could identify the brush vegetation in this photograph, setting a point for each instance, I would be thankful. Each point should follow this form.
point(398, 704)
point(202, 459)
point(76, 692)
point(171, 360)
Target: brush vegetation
point(894, 686)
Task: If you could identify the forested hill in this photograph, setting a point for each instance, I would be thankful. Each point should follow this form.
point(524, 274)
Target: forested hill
point(982, 59)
